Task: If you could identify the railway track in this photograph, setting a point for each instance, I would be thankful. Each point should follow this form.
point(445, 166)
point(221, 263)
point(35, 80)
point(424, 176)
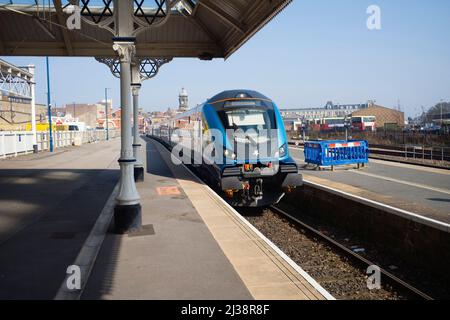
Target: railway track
point(394, 281)
point(336, 267)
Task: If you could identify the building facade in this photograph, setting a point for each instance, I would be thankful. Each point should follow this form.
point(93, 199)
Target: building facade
point(16, 113)
point(82, 112)
point(384, 116)
point(330, 110)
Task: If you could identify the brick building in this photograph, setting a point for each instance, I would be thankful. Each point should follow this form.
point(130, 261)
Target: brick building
point(330, 110)
point(87, 113)
point(383, 115)
point(15, 114)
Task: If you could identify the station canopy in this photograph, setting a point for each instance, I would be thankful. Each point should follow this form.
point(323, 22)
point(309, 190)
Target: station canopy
point(203, 29)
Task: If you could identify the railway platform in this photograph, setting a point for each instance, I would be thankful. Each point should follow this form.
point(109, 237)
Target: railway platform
point(56, 212)
point(48, 205)
point(419, 193)
point(193, 246)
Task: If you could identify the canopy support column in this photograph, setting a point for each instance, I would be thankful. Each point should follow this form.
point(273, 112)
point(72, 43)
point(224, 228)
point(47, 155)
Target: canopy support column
point(127, 213)
point(138, 166)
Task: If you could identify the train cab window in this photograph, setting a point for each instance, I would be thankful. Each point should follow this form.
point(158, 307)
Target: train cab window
point(248, 119)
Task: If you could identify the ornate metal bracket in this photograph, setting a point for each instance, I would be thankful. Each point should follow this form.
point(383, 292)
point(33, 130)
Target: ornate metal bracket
point(113, 64)
point(145, 14)
point(148, 67)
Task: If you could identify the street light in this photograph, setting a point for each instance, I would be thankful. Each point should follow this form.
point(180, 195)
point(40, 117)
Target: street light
point(106, 112)
point(347, 124)
point(49, 107)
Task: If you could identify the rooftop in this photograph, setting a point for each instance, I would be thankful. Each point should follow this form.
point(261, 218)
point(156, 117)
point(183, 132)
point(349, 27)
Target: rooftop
point(204, 29)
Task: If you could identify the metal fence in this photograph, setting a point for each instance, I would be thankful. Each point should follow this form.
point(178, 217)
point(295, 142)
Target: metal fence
point(385, 137)
point(14, 143)
point(413, 152)
point(336, 152)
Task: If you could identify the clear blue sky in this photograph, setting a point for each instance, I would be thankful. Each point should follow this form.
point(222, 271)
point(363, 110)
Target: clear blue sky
point(314, 51)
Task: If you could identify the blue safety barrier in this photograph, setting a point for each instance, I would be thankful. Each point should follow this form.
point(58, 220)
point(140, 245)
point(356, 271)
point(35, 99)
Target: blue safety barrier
point(336, 152)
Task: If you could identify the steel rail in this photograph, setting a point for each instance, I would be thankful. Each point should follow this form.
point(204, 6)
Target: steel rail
point(393, 279)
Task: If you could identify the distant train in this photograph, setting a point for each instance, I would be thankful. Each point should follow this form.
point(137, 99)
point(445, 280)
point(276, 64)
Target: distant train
point(237, 141)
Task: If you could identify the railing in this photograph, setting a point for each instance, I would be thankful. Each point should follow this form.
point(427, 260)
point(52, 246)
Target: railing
point(14, 143)
point(384, 137)
point(414, 152)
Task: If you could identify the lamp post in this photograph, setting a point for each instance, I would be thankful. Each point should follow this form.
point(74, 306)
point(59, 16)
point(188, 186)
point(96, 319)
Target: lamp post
point(138, 165)
point(31, 69)
point(49, 107)
point(347, 125)
point(106, 113)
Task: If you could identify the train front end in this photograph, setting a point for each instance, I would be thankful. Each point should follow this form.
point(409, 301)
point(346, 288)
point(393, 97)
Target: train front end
point(257, 169)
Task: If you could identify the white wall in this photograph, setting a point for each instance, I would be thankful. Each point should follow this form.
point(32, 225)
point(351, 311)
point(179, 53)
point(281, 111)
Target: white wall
point(14, 143)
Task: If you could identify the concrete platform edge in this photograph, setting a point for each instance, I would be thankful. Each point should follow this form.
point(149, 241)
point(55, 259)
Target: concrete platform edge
point(88, 253)
point(384, 207)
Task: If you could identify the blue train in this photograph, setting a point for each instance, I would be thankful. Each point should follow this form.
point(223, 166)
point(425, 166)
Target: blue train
point(237, 142)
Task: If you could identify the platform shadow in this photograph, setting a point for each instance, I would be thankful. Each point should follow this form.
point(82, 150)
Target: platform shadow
point(439, 199)
point(252, 212)
point(45, 218)
point(157, 166)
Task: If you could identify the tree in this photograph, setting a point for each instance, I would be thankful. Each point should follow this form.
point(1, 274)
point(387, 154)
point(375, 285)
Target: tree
point(435, 111)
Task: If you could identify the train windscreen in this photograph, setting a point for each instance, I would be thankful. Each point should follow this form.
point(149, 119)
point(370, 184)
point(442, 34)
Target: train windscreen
point(248, 118)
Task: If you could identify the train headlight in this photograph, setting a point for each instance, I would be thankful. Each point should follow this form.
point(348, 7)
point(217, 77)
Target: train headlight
point(229, 154)
point(283, 150)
